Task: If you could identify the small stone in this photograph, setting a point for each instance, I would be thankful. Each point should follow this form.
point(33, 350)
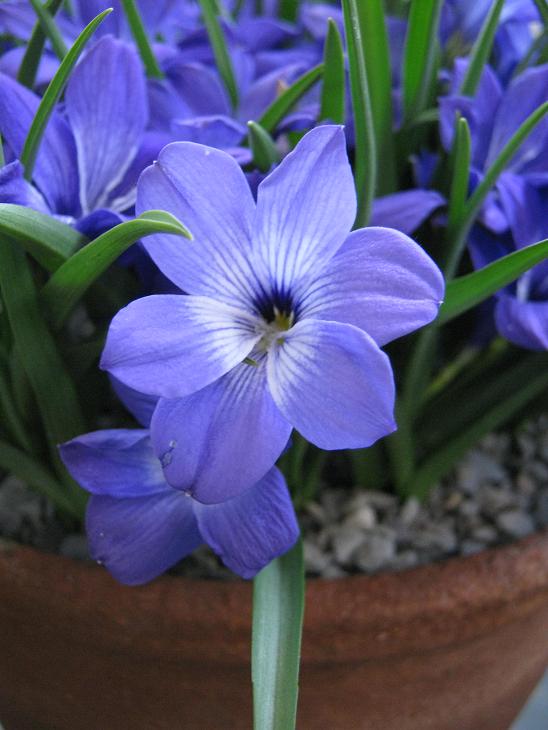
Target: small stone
point(515, 524)
point(363, 518)
point(471, 547)
point(469, 508)
point(539, 471)
point(376, 552)
point(374, 498)
point(525, 483)
point(75, 546)
point(477, 469)
point(527, 445)
point(333, 571)
point(410, 511)
point(453, 501)
point(542, 509)
point(316, 511)
point(438, 537)
point(345, 542)
point(485, 534)
point(494, 499)
point(315, 559)
point(404, 560)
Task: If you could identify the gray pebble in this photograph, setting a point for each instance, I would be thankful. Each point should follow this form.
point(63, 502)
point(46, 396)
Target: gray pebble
point(515, 524)
point(376, 552)
point(75, 546)
point(345, 542)
point(410, 511)
point(542, 508)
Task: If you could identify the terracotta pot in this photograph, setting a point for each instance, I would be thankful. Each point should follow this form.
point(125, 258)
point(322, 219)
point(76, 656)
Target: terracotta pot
point(452, 646)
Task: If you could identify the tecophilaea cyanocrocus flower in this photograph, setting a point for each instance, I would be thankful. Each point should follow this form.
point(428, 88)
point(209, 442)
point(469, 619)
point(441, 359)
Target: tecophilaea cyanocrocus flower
point(284, 318)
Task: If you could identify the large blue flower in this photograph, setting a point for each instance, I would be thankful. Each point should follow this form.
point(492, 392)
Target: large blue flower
point(138, 526)
point(284, 318)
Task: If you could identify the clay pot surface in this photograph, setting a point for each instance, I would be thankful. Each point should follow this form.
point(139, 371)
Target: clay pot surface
point(452, 646)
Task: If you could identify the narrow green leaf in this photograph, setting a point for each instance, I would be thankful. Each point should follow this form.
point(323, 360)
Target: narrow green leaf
point(477, 199)
point(71, 280)
point(288, 98)
point(443, 459)
point(48, 241)
point(332, 106)
point(379, 75)
point(11, 420)
point(53, 389)
point(139, 33)
point(460, 163)
point(53, 93)
point(33, 473)
point(461, 172)
point(542, 6)
point(288, 10)
point(220, 50)
point(35, 47)
point(365, 163)
point(419, 62)
point(50, 29)
point(465, 292)
point(278, 608)
point(481, 50)
point(263, 147)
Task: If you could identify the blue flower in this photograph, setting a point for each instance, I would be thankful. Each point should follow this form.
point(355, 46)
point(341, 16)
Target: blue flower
point(284, 318)
point(494, 115)
point(92, 153)
point(138, 526)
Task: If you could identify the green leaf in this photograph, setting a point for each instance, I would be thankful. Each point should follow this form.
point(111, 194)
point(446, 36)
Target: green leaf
point(379, 76)
point(460, 163)
point(477, 199)
point(50, 29)
point(481, 50)
point(465, 292)
point(278, 608)
point(365, 163)
point(138, 31)
point(288, 10)
point(35, 47)
point(265, 152)
point(33, 473)
point(542, 6)
point(288, 98)
point(48, 241)
point(53, 93)
point(332, 105)
point(419, 63)
point(220, 50)
point(435, 467)
point(71, 280)
point(54, 391)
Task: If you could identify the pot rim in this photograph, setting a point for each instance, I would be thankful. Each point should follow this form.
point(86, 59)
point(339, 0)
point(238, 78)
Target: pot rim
point(403, 611)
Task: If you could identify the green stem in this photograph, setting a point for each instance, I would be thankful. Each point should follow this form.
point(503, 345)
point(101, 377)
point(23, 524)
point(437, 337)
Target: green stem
point(50, 29)
point(31, 59)
point(138, 31)
point(278, 611)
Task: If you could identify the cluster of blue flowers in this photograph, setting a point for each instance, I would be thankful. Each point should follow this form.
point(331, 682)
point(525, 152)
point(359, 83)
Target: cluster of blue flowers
point(272, 318)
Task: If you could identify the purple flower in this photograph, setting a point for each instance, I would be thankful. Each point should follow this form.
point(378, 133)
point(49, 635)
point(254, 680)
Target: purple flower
point(91, 153)
point(521, 310)
point(285, 316)
point(138, 526)
point(494, 115)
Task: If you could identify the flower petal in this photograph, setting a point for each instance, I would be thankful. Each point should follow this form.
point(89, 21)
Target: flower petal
point(55, 171)
point(333, 384)
point(172, 345)
point(139, 539)
point(116, 462)
point(381, 281)
point(521, 322)
point(249, 531)
point(306, 207)
point(220, 441)
point(140, 405)
point(405, 211)
point(107, 108)
point(15, 189)
point(208, 192)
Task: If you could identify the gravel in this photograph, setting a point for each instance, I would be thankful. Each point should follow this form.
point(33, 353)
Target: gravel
point(496, 494)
